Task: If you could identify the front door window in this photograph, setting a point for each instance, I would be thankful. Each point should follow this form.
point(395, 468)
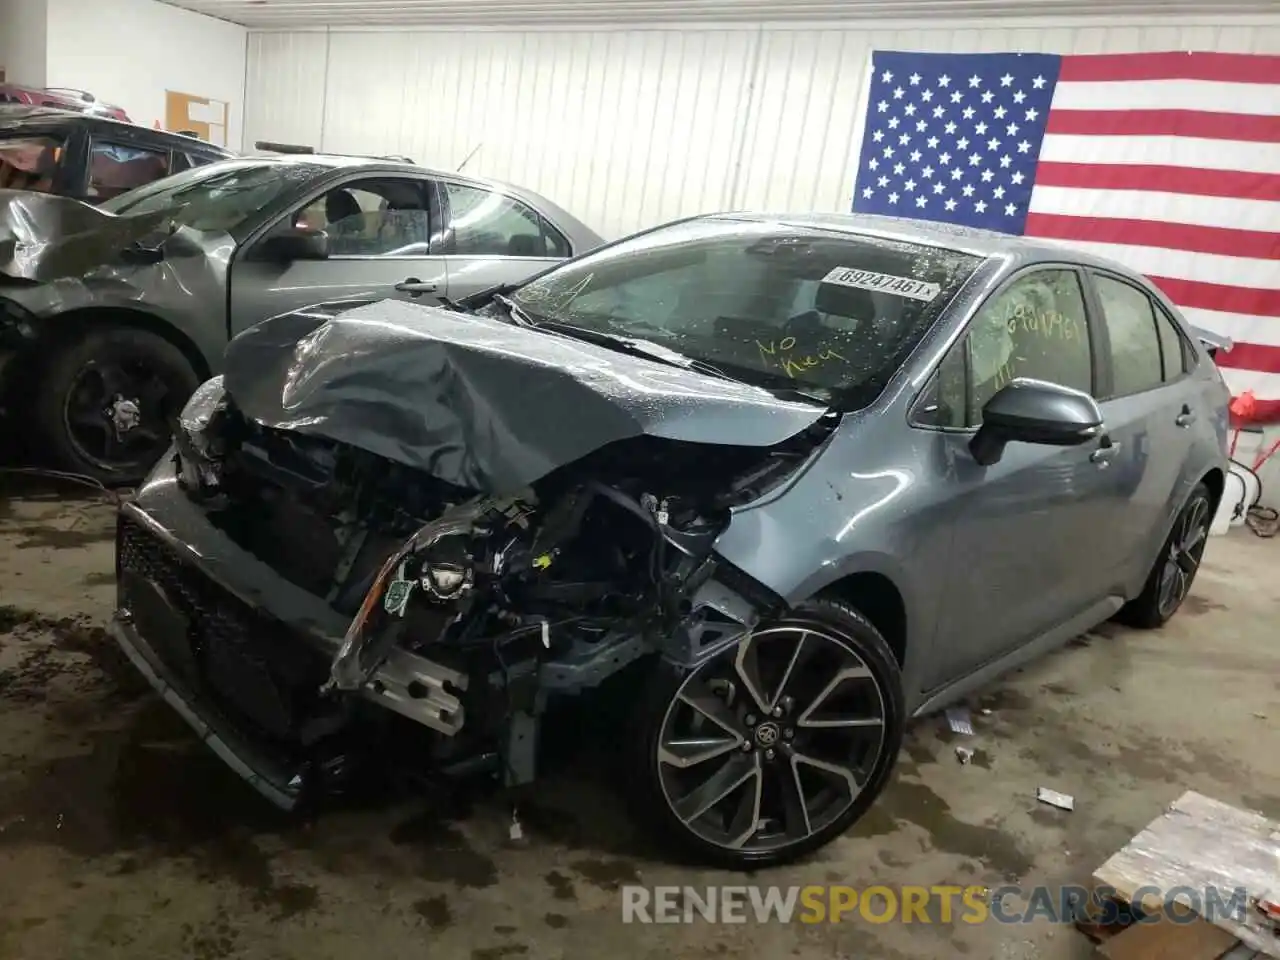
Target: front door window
point(29, 162)
point(372, 218)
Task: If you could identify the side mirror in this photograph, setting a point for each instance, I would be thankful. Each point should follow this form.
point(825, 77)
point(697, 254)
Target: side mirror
point(297, 243)
point(1032, 411)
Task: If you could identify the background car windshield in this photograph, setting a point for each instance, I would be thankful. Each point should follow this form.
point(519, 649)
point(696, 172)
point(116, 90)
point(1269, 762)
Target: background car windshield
point(831, 314)
point(219, 197)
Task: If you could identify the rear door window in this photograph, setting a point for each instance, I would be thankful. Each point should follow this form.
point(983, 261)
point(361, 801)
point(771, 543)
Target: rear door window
point(116, 168)
point(487, 224)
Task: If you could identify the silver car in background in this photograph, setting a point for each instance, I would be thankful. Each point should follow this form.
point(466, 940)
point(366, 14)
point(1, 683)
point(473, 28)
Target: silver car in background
point(110, 317)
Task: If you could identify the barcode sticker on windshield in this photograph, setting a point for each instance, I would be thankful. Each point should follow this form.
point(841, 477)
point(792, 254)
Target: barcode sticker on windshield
point(883, 282)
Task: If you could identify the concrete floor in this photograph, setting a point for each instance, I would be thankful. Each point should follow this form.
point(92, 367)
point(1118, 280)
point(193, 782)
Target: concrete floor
point(120, 836)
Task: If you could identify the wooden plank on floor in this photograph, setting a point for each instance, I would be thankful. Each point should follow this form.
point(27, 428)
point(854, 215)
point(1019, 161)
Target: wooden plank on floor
point(1203, 843)
point(1198, 940)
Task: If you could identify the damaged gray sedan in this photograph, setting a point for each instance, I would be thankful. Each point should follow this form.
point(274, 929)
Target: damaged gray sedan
point(111, 316)
point(804, 477)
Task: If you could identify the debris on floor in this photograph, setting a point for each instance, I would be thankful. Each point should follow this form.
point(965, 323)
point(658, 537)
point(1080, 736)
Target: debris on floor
point(1204, 873)
point(964, 754)
point(1063, 801)
point(959, 722)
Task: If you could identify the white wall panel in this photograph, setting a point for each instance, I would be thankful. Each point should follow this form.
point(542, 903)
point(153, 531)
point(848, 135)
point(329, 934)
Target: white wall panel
point(24, 33)
point(798, 154)
point(625, 128)
point(286, 73)
point(628, 128)
point(129, 52)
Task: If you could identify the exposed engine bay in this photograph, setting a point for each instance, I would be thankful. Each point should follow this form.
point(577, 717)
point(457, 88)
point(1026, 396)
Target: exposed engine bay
point(468, 610)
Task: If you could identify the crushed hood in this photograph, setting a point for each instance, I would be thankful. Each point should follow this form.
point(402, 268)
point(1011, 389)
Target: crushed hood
point(45, 237)
point(476, 401)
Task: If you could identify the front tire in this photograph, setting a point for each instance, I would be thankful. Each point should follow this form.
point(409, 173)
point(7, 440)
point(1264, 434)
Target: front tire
point(773, 748)
point(1175, 568)
point(109, 399)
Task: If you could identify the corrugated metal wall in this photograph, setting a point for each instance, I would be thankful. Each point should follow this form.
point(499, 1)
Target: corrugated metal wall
point(628, 128)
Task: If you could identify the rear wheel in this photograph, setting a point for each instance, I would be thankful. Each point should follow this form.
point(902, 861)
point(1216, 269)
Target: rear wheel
point(1175, 569)
point(109, 400)
point(774, 747)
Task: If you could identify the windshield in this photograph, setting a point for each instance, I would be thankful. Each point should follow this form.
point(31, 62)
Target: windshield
point(831, 314)
point(218, 197)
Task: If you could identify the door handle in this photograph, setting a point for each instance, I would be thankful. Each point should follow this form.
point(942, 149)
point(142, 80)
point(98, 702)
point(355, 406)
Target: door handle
point(1104, 454)
point(415, 287)
point(1186, 418)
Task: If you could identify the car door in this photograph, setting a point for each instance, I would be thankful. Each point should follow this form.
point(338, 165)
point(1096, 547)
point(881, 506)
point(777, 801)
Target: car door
point(1149, 406)
point(1026, 530)
point(493, 238)
point(381, 244)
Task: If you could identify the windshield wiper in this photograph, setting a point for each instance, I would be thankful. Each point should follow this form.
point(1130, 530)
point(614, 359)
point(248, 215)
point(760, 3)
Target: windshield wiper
point(638, 347)
point(795, 393)
point(517, 313)
point(482, 297)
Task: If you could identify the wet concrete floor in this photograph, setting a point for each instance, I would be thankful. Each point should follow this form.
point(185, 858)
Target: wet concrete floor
point(121, 836)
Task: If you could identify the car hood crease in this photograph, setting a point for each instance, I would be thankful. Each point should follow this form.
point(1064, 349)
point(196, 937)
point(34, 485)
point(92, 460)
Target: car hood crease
point(478, 402)
point(45, 237)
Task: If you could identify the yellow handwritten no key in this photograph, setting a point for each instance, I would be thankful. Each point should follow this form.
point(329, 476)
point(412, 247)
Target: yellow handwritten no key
point(780, 352)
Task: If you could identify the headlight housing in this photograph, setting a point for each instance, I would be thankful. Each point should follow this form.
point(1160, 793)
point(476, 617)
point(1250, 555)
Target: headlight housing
point(208, 401)
point(199, 443)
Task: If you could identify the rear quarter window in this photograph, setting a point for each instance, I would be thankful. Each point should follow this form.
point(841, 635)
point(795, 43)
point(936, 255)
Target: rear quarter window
point(186, 161)
point(1177, 354)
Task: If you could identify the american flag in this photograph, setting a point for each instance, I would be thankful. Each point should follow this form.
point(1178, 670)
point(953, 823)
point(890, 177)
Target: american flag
point(1166, 162)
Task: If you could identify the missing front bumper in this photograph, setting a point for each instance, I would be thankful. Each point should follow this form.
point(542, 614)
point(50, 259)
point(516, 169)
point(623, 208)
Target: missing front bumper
point(281, 782)
point(241, 653)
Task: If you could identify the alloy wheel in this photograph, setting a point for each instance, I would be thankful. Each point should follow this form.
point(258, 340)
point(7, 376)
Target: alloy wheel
point(1186, 548)
point(117, 414)
point(771, 741)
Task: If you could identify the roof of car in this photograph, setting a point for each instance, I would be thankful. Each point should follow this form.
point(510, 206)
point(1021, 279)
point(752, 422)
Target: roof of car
point(22, 115)
point(982, 243)
point(342, 160)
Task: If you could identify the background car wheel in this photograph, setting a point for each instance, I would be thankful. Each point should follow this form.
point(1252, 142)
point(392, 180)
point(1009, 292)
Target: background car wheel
point(774, 747)
point(108, 402)
point(1175, 569)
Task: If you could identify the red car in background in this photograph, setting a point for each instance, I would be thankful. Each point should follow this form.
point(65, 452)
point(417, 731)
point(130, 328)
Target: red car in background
point(63, 98)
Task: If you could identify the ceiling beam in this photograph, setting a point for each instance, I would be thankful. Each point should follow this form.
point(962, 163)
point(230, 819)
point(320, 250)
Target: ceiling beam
point(313, 13)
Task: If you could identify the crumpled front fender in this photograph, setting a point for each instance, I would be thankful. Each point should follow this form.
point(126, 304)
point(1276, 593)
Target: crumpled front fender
point(45, 237)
